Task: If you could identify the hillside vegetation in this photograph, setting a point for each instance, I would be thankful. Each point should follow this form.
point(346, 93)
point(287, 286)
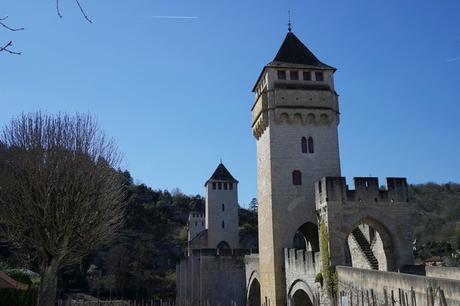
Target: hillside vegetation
point(437, 218)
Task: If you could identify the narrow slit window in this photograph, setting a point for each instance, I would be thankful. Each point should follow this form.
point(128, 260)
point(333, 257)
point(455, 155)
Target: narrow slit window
point(225, 186)
point(223, 224)
point(304, 145)
point(223, 207)
point(311, 145)
point(213, 185)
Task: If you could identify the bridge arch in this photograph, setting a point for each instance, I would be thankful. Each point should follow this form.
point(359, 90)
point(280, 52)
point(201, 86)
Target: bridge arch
point(253, 290)
point(370, 240)
point(300, 294)
point(306, 237)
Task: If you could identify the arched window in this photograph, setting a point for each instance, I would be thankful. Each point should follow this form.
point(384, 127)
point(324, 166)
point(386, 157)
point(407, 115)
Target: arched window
point(223, 245)
point(304, 145)
point(311, 145)
point(296, 177)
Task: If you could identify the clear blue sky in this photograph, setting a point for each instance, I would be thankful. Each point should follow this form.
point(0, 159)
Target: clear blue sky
point(175, 94)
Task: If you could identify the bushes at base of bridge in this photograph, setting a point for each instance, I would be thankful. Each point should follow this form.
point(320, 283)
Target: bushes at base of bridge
point(18, 297)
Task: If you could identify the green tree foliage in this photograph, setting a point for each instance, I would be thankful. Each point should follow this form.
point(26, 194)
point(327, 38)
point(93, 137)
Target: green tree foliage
point(248, 228)
point(437, 230)
point(438, 212)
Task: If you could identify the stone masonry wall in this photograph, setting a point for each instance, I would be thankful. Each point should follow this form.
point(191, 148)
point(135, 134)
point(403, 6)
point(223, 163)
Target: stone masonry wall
point(301, 267)
point(355, 286)
point(212, 280)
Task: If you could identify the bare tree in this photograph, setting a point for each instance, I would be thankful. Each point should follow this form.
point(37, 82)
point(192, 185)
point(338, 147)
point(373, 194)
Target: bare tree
point(59, 193)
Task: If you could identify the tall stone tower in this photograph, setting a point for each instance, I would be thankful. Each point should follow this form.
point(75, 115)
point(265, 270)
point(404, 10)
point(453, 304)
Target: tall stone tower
point(294, 120)
point(222, 209)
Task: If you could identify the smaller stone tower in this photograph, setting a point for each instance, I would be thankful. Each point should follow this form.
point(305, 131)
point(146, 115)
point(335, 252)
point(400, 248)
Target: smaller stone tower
point(222, 209)
point(195, 224)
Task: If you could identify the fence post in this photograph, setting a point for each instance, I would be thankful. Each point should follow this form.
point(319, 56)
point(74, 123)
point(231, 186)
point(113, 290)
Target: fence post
point(442, 298)
point(385, 296)
point(429, 296)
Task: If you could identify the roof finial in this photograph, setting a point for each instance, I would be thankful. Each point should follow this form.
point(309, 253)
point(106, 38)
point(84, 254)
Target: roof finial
point(221, 160)
point(289, 21)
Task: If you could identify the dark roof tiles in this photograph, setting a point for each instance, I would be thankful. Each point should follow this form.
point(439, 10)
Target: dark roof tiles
point(222, 174)
point(293, 51)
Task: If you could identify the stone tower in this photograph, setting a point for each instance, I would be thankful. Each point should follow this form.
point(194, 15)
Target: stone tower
point(195, 224)
point(294, 120)
point(222, 209)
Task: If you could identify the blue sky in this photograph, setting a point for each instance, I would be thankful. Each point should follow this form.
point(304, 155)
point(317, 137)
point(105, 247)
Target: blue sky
point(175, 94)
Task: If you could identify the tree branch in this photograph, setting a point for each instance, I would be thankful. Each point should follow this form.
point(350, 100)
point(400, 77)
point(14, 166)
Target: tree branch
point(8, 27)
point(80, 7)
point(6, 49)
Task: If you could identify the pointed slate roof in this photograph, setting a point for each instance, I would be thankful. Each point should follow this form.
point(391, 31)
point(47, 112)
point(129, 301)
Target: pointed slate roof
point(222, 174)
point(293, 51)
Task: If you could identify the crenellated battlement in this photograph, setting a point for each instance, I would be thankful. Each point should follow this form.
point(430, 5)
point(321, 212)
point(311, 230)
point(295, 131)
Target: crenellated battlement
point(300, 264)
point(367, 189)
point(196, 216)
point(301, 259)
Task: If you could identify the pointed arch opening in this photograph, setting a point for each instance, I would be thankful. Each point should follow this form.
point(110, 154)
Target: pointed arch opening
point(306, 237)
point(369, 245)
point(223, 245)
point(254, 293)
point(301, 298)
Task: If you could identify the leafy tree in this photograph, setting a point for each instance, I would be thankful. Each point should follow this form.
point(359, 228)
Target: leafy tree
point(59, 194)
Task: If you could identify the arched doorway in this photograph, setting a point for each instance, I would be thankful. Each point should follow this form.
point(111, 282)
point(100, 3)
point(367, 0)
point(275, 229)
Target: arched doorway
point(223, 245)
point(301, 298)
point(254, 293)
point(306, 237)
point(369, 246)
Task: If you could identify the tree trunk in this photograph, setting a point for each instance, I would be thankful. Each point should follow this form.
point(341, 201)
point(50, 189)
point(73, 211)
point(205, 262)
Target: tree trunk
point(48, 286)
